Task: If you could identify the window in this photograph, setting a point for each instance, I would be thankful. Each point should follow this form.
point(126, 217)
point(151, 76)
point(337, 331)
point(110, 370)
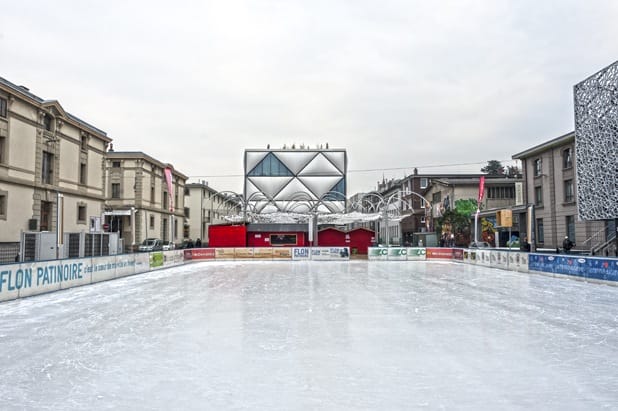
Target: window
point(501, 192)
point(47, 172)
point(46, 211)
point(436, 197)
point(270, 166)
point(538, 167)
point(165, 201)
point(567, 158)
point(3, 204)
point(424, 182)
point(176, 197)
point(2, 148)
point(82, 173)
point(81, 213)
point(569, 195)
point(3, 106)
point(151, 221)
point(84, 143)
point(115, 190)
point(570, 227)
point(47, 122)
point(152, 194)
point(187, 191)
point(538, 196)
point(187, 212)
point(540, 231)
point(116, 164)
point(282, 239)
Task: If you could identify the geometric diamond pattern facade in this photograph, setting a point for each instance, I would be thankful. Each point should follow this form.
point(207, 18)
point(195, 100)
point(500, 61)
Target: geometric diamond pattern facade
point(295, 180)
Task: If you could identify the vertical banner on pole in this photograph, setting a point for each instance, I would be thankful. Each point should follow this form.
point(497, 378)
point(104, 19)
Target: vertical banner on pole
point(168, 179)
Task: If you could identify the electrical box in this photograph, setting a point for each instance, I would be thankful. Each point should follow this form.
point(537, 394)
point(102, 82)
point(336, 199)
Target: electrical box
point(504, 218)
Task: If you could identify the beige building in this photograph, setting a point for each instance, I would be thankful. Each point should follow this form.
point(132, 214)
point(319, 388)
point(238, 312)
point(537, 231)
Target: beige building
point(549, 171)
point(46, 153)
point(205, 206)
point(139, 204)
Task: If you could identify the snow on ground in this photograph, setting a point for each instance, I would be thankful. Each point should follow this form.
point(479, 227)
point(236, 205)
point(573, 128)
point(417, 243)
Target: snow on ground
point(314, 335)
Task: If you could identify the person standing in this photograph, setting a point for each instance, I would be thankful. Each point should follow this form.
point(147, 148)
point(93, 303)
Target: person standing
point(567, 244)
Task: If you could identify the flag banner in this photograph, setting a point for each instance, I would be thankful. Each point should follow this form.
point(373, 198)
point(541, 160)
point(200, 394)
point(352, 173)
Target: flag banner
point(481, 191)
point(168, 179)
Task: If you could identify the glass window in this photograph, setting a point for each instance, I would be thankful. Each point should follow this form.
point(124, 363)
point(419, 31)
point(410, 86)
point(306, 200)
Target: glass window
point(2, 148)
point(187, 212)
point(570, 227)
point(115, 190)
point(567, 158)
point(538, 167)
point(337, 193)
point(540, 231)
point(424, 182)
point(81, 213)
point(47, 122)
point(3, 201)
point(538, 196)
point(82, 173)
point(151, 221)
point(3, 108)
point(569, 195)
point(165, 200)
point(84, 145)
point(116, 164)
point(270, 166)
point(46, 210)
point(48, 168)
point(283, 239)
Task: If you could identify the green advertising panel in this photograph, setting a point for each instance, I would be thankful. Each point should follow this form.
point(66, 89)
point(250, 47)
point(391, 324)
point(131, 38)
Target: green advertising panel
point(156, 259)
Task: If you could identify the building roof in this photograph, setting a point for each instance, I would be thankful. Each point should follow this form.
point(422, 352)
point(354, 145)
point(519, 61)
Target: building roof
point(25, 92)
point(556, 142)
point(139, 154)
point(277, 228)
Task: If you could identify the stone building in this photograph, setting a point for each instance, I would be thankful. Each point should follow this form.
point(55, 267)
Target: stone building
point(46, 154)
point(139, 203)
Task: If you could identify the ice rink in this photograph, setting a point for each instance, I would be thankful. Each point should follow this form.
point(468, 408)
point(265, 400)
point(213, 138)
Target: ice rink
point(352, 335)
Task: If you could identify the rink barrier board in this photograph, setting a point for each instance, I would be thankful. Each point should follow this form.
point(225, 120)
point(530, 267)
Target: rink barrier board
point(28, 279)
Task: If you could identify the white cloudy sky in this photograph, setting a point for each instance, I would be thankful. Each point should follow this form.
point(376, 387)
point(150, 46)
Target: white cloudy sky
point(399, 84)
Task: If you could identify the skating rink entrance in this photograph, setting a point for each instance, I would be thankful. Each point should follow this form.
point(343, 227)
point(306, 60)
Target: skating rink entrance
point(354, 335)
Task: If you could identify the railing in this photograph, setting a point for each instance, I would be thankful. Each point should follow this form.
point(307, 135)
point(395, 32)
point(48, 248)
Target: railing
point(599, 241)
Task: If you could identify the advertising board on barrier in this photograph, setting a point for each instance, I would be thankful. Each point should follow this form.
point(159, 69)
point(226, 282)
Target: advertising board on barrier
point(200, 254)
point(282, 253)
point(330, 253)
point(224, 253)
point(156, 259)
point(416, 254)
point(263, 253)
point(173, 257)
point(243, 253)
point(377, 253)
point(301, 253)
point(440, 253)
point(397, 254)
point(584, 267)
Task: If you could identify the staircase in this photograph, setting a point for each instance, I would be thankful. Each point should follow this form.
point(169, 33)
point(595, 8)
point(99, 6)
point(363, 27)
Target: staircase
point(603, 242)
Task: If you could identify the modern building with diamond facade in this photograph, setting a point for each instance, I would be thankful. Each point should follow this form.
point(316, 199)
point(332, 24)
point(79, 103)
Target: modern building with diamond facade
point(295, 180)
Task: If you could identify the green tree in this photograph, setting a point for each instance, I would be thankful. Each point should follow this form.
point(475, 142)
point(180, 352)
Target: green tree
point(493, 168)
point(458, 220)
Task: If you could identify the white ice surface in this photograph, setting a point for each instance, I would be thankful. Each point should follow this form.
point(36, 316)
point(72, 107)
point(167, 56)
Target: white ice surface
point(316, 336)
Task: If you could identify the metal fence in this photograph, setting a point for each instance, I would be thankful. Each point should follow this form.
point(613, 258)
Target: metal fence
point(9, 252)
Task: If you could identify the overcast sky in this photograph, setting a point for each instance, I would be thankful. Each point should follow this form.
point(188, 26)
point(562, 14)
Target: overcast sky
point(399, 84)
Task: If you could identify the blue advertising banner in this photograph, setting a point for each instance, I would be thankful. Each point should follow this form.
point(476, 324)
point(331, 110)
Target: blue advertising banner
point(586, 267)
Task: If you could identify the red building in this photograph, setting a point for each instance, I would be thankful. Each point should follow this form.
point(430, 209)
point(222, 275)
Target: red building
point(227, 236)
point(277, 235)
point(332, 237)
point(360, 240)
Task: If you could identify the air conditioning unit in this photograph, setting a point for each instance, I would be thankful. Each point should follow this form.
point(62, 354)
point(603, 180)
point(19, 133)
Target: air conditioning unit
point(33, 224)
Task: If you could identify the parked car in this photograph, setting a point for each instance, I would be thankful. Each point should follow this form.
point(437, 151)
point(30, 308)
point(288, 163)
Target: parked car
point(151, 244)
point(168, 245)
point(479, 244)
